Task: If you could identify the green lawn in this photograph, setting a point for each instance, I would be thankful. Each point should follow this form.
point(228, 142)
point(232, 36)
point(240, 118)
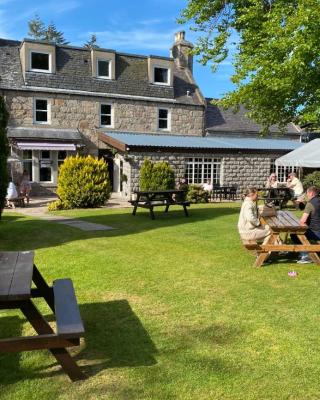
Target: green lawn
point(173, 309)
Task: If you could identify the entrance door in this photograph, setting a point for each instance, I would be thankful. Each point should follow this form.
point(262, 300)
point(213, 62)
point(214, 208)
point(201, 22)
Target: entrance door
point(109, 159)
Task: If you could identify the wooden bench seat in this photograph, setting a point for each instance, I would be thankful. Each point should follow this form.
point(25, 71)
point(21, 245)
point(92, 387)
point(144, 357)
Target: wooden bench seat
point(251, 244)
point(68, 318)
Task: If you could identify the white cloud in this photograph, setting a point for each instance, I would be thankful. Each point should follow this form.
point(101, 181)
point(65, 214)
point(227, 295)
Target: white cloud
point(134, 39)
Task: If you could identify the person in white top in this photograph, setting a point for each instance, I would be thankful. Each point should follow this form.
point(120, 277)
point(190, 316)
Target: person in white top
point(207, 186)
point(12, 194)
point(249, 225)
point(296, 187)
point(272, 182)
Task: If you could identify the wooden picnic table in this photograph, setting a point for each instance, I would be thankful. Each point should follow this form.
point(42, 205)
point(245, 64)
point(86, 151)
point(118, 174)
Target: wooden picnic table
point(279, 196)
point(154, 198)
point(285, 223)
point(17, 272)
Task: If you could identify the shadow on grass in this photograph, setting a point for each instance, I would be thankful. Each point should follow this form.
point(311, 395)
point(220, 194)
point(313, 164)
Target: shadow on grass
point(22, 233)
point(115, 338)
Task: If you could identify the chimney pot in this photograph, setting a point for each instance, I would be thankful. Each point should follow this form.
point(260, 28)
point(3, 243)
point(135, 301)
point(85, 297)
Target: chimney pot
point(180, 36)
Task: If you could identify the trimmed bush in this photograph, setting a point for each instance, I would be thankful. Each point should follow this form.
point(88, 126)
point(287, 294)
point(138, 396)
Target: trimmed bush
point(83, 182)
point(196, 194)
point(4, 152)
point(312, 179)
point(56, 205)
point(156, 176)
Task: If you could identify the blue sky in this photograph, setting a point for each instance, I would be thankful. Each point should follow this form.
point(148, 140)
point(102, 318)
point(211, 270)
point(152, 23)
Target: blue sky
point(132, 26)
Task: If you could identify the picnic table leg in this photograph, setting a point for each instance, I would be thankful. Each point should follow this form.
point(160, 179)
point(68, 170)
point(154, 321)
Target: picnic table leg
point(151, 212)
point(314, 256)
point(185, 210)
point(44, 289)
point(167, 208)
point(42, 327)
point(134, 211)
point(263, 255)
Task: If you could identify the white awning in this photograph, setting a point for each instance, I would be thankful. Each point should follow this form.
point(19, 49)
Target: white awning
point(307, 156)
point(45, 146)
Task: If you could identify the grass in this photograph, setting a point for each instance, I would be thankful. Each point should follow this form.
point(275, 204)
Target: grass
point(173, 309)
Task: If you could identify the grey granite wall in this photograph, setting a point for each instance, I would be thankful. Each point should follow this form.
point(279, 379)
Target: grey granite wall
point(237, 169)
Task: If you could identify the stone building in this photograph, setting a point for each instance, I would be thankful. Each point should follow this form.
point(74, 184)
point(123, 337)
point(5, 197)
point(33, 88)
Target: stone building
point(65, 99)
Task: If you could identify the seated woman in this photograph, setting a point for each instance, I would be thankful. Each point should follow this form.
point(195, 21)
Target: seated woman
point(249, 225)
point(25, 186)
point(12, 194)
point(272, 182)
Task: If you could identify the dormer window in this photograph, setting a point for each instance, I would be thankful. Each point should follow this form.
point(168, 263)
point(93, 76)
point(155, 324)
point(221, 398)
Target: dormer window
point(40, 62)
point(103, 69)
point(161, 76)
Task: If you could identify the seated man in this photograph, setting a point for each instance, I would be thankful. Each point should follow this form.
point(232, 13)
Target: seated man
point(311, 218)
point(12, 194)
point(296, 187)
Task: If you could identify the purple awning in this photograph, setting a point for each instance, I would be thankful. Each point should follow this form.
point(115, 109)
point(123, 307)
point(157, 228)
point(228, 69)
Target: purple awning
point(45, 146)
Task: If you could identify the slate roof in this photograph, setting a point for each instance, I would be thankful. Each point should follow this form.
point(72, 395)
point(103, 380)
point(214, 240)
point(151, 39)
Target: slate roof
point(199, 142)
point(73, 72)
point(44, 133)
point(222, 121)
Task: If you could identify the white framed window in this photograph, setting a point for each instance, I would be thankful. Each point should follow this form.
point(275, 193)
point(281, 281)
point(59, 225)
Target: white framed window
point(42, 111)
point(40, 61)
point(161, 75)
point(45, 166)
point(106, 115)
point(164, 119)
point(103, 68)
point(283, 172)
point(200, 170)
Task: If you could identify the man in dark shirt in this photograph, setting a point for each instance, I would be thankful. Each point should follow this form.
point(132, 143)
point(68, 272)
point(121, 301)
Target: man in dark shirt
point(311, 218)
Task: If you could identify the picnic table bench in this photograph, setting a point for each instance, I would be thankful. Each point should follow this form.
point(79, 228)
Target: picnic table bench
point(155, 198)
point(17, 272)
point(283, 223)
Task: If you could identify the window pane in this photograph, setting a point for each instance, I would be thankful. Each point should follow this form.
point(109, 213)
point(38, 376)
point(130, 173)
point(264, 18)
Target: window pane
point(163, 124)
point(62, 154)
point(41, 105)
point(163, 113)
point(161, 75)
point(105, 120)
point(105, 109)
point(45, 174)
point(45, 154)
point(41, 116)
point(103, 68)
point(27, 154)
point(40, 61)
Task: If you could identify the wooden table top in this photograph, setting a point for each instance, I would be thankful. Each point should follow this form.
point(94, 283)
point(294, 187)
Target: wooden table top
point(16, 269)
point(172, 191)
point(284, 221)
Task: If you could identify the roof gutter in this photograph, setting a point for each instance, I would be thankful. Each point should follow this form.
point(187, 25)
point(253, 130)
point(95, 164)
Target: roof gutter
point(87, 93)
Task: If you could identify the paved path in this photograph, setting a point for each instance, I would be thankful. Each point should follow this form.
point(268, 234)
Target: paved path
point(38, 209)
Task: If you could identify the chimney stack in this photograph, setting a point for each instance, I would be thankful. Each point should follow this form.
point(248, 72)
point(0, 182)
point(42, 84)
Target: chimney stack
point(181, 51)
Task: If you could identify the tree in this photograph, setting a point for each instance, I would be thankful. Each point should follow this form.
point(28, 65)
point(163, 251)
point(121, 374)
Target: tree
point(4, 152)
point(53, 35)
point(156, 176)
point(39, 31)
point(37, 28)
point(91, 43)
point(276, 60)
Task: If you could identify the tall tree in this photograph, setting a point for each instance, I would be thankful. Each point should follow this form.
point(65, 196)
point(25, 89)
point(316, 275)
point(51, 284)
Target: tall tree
point(276, 60)
point(39, 31)
point(53, 35)
point(92, 42)
point(36, 28)
point(4, 152)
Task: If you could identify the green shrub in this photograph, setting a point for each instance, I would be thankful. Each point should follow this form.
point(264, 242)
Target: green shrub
point(196, 194)
point(156, 176)
point(4, 152)
point(312, 179)
point(56, 205)
point(83, 182)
